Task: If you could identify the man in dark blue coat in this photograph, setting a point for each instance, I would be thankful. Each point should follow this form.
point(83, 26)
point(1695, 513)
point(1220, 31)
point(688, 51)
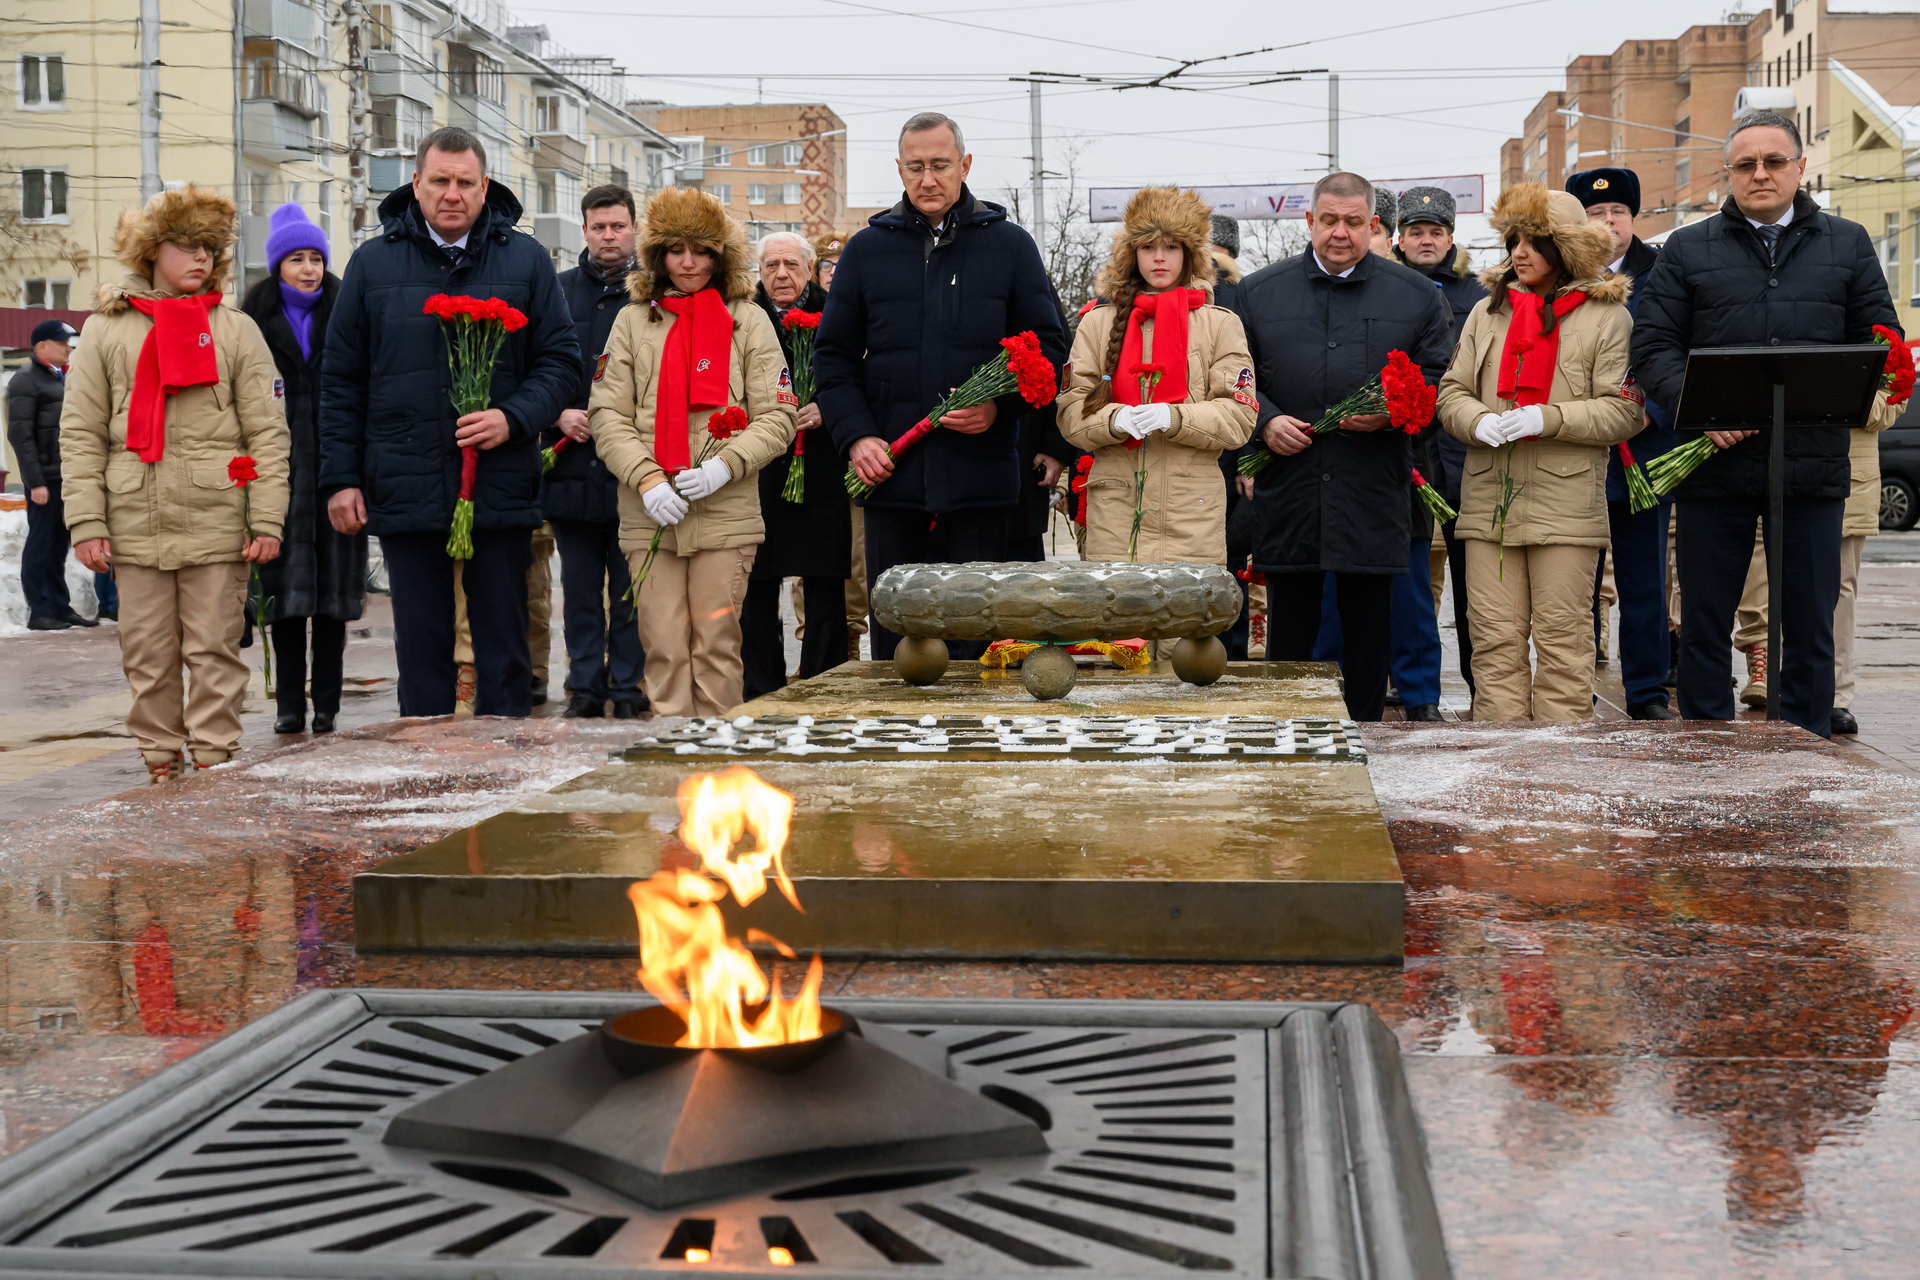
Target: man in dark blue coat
point(1639, 550)
point(1770, 269)
point(390, 447)
point(1318, 327)
point(920, 300)
point(580, 497)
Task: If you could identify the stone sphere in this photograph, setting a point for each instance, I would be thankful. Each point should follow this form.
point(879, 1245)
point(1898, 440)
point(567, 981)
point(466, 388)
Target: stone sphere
point(1200, 661)
point(1048, 673)
point(920, 660)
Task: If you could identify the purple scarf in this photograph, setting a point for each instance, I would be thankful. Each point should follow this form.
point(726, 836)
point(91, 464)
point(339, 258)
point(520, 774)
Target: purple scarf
point(298, 308)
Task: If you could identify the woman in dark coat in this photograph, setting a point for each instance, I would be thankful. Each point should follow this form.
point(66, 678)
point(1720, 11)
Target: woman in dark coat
point(321, 575)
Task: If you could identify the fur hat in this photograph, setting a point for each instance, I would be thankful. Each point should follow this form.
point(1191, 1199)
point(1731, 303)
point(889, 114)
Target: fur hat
point(684, 215)
point(831, 245)
point(1226, 234)
point(1386, 207)
point(1154, 213)
point(1529, 209)
point(186, 216)
point(1606, 186)
point(1426, 204)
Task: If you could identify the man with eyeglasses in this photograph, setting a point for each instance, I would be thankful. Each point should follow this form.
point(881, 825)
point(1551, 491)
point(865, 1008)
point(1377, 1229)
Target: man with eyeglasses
point(921, 298)
point(1771, 269)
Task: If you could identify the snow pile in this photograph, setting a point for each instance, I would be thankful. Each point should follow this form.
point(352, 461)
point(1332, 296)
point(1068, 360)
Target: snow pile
point(13, 605)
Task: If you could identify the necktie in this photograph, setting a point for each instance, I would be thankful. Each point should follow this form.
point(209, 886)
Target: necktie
point(1770, 237)
point(455, 254)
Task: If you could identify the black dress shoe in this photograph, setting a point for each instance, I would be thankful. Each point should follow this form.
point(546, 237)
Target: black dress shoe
point(41, 622)
point(290, 722)
point(584, 706)
point(323, 721)
point(1393, 697)
point(628, 708)
point(1653, 711)
point(1843, 722)
point(1426, 713)
point(76, 620)
point(109, 615)
point(539, 698)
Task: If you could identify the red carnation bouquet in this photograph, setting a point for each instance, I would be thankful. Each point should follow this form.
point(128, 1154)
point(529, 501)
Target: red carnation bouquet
point(722, 426)
point(1078, 488)
point(802, 328)
point(475, 329)
point(243, 472)
point(1665, 472)
point(1400, 391)
point(1021, 366)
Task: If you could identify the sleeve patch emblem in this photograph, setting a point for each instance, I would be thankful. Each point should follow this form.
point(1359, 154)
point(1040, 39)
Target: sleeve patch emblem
point(1246, 398)
point(279, 388)
point(784, 389)
point(1245, 381)
point(1630, 388)
point(600, 366)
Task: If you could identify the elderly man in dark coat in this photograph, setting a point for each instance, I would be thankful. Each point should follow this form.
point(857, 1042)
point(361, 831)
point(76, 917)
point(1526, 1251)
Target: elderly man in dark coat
point(921, 299)
point(1770, 269)
point(1318, 327)
point(390, 448)
point(579, 496)
point(811, 539)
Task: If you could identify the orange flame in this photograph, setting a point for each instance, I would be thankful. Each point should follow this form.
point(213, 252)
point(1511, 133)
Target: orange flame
point(687, 960)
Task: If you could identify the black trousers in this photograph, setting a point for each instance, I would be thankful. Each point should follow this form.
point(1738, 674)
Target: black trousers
point(43, 560)
point(1639, 550)
point(1365, 601)
point(763, 641)
point(420, 575)
point(1715, 547)
point(604, 658)
point(290, 668)
point(919, 537)
point(1457, 576)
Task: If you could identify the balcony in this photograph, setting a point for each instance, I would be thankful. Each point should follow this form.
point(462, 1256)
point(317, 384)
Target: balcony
point(560, 151)
point(479, 115)
point(276, 132)
point(394, 75)
point(289, 20)
point(384, 173)
point(559, 232)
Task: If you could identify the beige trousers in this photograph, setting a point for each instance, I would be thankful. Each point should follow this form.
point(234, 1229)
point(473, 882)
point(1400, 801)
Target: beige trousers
point(191, 618)
point(1750, 619)
point(539, 608)
point(690, 626)
point(1543, 595)
point(1851, 548)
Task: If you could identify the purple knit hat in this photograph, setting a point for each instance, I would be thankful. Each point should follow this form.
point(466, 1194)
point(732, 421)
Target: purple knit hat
point(290, 230)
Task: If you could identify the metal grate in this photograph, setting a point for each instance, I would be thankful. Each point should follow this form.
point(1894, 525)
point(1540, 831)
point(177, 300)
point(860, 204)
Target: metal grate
point(1000, 737)
point(1184, 1139)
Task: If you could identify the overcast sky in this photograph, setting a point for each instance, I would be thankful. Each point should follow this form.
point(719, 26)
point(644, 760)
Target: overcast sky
point(1424, 91)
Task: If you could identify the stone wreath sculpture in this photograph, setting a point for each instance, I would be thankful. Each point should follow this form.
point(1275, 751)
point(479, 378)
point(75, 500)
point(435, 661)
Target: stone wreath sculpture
point(1056, 605)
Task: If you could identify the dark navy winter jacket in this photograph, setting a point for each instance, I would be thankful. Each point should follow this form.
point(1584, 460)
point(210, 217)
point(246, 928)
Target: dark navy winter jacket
point(911, 316)
point(580, 487)
point(386, 418)
point(1713, 286)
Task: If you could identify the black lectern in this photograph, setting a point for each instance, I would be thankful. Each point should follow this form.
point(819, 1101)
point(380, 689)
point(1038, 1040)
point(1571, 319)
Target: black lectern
point(1771, 389)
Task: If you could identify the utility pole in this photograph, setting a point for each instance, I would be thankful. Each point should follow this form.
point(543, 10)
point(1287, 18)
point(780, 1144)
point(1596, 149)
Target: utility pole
point(1039, 218)
point(149, 99)
point(357, 119)
point(1333, 124)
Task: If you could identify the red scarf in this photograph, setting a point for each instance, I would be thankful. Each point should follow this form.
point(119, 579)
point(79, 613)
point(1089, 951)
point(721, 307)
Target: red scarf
point(1169, 312)
point(693, 371)
point(1529, 357)
point(177, 354)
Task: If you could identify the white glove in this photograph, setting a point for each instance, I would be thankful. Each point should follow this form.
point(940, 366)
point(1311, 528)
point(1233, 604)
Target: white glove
point(1123, 421)
point(1149, 418)
point(1521, 423)
point(709, 477)
point(663, 504)
point(1489, 432)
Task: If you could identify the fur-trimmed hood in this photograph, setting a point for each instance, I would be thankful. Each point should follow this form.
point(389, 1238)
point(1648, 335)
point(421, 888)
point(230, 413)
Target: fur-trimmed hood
point(1226, 267)
point(1537, 212)
point(683, 215)
point(1180, 216)
point(189, 215)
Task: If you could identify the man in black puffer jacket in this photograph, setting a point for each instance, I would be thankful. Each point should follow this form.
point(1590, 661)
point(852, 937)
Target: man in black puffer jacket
point(920, 300)
point(390, 449)
point(580, 497)
point(1770, 269)
point(34, 398)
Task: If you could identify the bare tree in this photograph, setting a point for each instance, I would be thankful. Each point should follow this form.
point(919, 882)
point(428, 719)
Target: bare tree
point(1075, 248)
point(1269, 240)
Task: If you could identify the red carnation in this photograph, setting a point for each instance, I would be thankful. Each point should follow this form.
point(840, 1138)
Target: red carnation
point(798, 319)
point(727, 423)
point(1897, 382)
point(242, 471)
point(1032, 371)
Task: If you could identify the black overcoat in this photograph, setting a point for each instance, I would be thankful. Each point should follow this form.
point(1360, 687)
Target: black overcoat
point(812, 538)
point(580, 487)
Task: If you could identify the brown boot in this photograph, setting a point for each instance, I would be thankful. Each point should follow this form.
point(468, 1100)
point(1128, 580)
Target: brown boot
point(162, 766)
point(1755, 694)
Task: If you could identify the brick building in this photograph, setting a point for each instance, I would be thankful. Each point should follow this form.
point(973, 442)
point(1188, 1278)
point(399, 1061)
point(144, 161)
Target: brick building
point(775, 166)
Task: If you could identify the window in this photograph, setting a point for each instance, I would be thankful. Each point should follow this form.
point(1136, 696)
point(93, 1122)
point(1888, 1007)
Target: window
point(1681, 128)
point(723, 193)
point(553, 113)
point(43, 195)
point(546, 197)
point(43, 82)
point(1890, 251)
point(399, 124)
point(795, 150)
point(282, 73)
point(472, 74)
point(66, 1018)
point(54, 294)
point(719, 157)
point(380, 30)
point(259, 192)
point(756, 193)
point(1683, 172)
point(789, 193)
point(757, 156)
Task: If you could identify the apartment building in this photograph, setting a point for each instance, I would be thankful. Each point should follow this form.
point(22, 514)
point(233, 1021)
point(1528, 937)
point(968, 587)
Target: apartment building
point(775, 166)
point(258, 107)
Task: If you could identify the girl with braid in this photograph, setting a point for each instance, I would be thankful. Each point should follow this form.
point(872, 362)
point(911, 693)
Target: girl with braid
point(1160, 383)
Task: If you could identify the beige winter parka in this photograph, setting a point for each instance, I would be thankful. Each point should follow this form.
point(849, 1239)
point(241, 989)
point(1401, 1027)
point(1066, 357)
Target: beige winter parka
point(183, 510)
point(1862, 518)
point(620, 414)
point(1560, 477)
point(1185, 501)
